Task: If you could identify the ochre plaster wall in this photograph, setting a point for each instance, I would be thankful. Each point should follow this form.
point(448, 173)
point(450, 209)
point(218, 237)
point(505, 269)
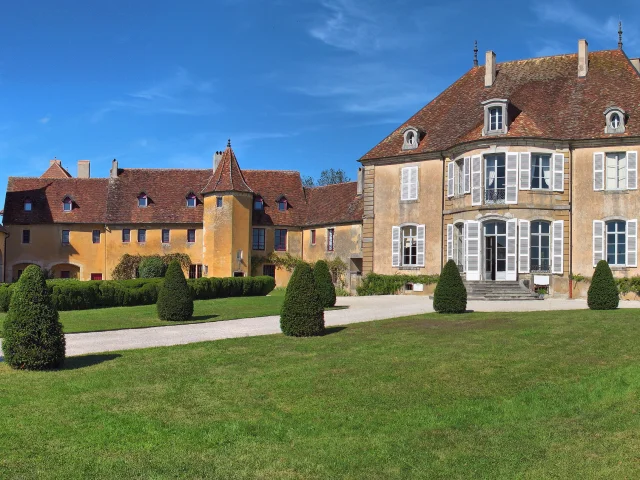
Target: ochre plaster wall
point(294, 248)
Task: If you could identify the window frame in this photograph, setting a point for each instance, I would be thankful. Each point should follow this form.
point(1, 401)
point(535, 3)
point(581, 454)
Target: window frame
point(331, 239)
point(501, 107)
point(67, 205)
point(458, 187)
point(260, 242)
point(26, 231)
point(313, 236)
point(413, 246)
point(282, 205)
point(30, 205)
point(536, 157)
point(259, 203)
point(143, 200)
point(126, 235)
point(405, 178)
point(621, 156)
point(616, 244)
point(540, 235)
point(218, 202)
point(458, 245)
point(166, 231)
point(142, 235)
point(192, 198)
point(66, 233)
point(191, 233)
point(280, 240)
point(93, 237)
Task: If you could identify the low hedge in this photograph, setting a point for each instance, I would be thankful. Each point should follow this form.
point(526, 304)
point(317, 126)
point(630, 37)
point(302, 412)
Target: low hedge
point(375, 284)
point(85, 295)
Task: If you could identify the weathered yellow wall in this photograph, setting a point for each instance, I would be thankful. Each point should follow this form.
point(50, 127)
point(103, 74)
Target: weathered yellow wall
point(241, 227)
point(153, 246)
point(347, 243)
point(589, 205)
point(294, 248)
point(46, 249)
point(390, 211)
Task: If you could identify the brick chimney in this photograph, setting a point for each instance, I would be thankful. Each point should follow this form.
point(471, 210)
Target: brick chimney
point(490, 68)
point(583, 58)
point(114, 168)
point(216, 160)
point(54, 162)
point(84, 169)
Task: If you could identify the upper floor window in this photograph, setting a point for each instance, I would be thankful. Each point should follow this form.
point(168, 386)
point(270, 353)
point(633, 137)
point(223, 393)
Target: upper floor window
point(142, 235)
point(495, 116)
point(143, 200)
point(541, 171)
point(411, 138)
point(313, 237)
point(616, 171)
point(281, 240)
point(459, 177)
point(495, 119)
point(27, 205)
point(166, 235)
point(192, 201)
point(258, 239)
point(282, 204)
point(95, 236)
point(616, 243)
point(126, 235)
point(65, 237)
point(494, 183)
point(219, 202)
point(409, 183)
point(258, 204)
point(330, 239)
point(191, 235)
point(26, 236)
point(540, 246)
point(67, 204)
point(614, 120)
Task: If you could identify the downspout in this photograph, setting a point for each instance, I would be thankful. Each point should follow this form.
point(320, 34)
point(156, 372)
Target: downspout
point(570, 221)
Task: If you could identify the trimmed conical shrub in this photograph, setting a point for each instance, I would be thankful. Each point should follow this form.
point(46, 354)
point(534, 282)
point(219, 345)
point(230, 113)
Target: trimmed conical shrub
point(174, 298)
point(450, 295)
point(603, 292)
point(324, 284)
point(33, 337)
point(302, 314)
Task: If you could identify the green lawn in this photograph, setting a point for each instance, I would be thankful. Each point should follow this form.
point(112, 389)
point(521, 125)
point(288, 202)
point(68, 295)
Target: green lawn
point(146, 316)
point(535, 395)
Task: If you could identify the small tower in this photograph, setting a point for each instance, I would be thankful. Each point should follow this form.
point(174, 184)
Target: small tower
point(228, 206)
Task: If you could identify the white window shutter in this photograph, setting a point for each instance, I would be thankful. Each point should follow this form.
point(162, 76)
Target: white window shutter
point(404, 184)
point(476, 180)
point(413, 183)
point(449, 242)
point(558, 172)
point(557, 246)
point(472, 248)
point(525, 171)
point(512, 249)
point(511, 196)
point(632, 243)
point(450, 179)
point(598, 241)
point(632, 170)
point(598, 171)
point(467, 174)
point(420, 246)
point(395, 246)
point(524, 246)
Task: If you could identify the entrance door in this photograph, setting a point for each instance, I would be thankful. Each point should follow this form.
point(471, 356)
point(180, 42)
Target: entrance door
point(495, 251)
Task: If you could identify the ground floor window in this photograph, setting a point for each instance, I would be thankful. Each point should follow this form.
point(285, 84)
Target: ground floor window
point(540, 246)
point(410, 245)
point(269, 270)
point(258, 238)
point(195, 271)
point(65, 274)
point(96, 276)
point(458, 246)
point(281, 240)
point(616, 242)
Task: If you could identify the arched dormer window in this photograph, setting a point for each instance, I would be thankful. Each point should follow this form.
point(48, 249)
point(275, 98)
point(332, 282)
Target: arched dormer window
point(282, 203)
point(615, 119)
point(411, 136)
point(192, 200)
point(496, 119)
point(143, 200)
point(27, 205)
point(258, 204)
point(67, 204)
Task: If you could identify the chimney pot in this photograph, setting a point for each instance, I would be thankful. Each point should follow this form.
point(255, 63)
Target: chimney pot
point(490, 68)
point(583, 58)
point(114, 168)
point(84, 169)
point(360, 188)
point(55, 161)
point(216, 160)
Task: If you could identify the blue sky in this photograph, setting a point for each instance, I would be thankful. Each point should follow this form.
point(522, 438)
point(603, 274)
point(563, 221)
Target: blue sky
point(295, 84)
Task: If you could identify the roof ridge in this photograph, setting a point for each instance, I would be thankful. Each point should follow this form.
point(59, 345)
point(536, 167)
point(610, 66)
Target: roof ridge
point(332, 185)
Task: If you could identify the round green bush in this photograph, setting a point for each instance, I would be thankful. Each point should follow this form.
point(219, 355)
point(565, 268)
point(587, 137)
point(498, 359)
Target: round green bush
point(151, 267)
point(450, 295)
point(33, 337)
point(324, 284)
point(302, 314)
point(174, 298)
point(603, 292)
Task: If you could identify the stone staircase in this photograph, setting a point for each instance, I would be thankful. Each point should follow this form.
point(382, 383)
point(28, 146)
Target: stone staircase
point(488, 290)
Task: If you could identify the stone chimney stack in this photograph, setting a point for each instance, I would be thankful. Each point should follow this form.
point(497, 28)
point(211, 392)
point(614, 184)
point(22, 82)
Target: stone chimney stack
point(636, 64)
point(583, 58)
point(84, 169)
point(54, 162)
point(490, 68)
point(114, 168)
point(360, 181)
point(216, 160)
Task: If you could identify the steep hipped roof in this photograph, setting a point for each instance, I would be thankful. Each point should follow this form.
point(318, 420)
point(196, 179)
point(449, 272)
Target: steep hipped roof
point(55, 170)
point(270, 185)
point(547, 100)
point(227, 176)
point(337, 203)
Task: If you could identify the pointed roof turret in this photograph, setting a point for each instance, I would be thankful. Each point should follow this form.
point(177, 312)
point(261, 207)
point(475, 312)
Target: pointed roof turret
point(227, 177)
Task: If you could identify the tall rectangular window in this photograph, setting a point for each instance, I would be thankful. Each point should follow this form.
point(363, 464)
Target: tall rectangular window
point(166, 236)
point(495, 118)
point(330, 239)
point(616, 242)
point(219, 202)
point(409, 183)
point(540, 246)
point(26, 236)
point(191, 235)
point(409, 244)
point(258, 239)
point(195, 271)
point(142, 235)
point(65, 237)
point(126, 235)
point(281, 240)
point(616, 170)
point(313, 236)
point(541, 171)
point(494, 182)
point(95, 236)
point(459, 176)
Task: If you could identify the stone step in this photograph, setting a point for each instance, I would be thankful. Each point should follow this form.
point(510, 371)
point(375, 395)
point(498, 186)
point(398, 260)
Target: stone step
point(496, 290)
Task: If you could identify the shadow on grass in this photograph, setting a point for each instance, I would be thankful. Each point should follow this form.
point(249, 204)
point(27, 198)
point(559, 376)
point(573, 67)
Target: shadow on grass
point(74, 363)
point(330, 330)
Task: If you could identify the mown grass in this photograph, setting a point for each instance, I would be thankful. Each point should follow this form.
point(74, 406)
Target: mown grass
point(484, 395)
point(146, 315)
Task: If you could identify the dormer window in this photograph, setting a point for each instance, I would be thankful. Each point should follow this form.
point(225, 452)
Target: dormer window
point(67, 204)
point(27, 205)
point(282, 205)
point(143, 200)
point(258, 204)
point(495, 116)
point(191, 200)
point(411, 137)
point(615, 120)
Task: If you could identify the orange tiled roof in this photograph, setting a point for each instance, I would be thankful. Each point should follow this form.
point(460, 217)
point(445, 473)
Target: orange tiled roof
point(228, 176)
point(55, 170)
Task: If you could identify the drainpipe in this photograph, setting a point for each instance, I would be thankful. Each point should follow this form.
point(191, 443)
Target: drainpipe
point(570, 221)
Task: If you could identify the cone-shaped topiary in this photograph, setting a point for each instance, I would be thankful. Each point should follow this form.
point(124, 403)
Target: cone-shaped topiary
point(33, 337)
point(302, 314)
point(603, 292)
point(324, 284)
point(174, 298)
point(450, 295)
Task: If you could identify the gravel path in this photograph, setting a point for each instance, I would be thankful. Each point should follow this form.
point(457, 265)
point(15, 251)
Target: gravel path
point(361, 309)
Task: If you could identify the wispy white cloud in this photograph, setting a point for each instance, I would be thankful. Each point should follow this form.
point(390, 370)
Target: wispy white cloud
point(180, 94)
point(44, 120)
